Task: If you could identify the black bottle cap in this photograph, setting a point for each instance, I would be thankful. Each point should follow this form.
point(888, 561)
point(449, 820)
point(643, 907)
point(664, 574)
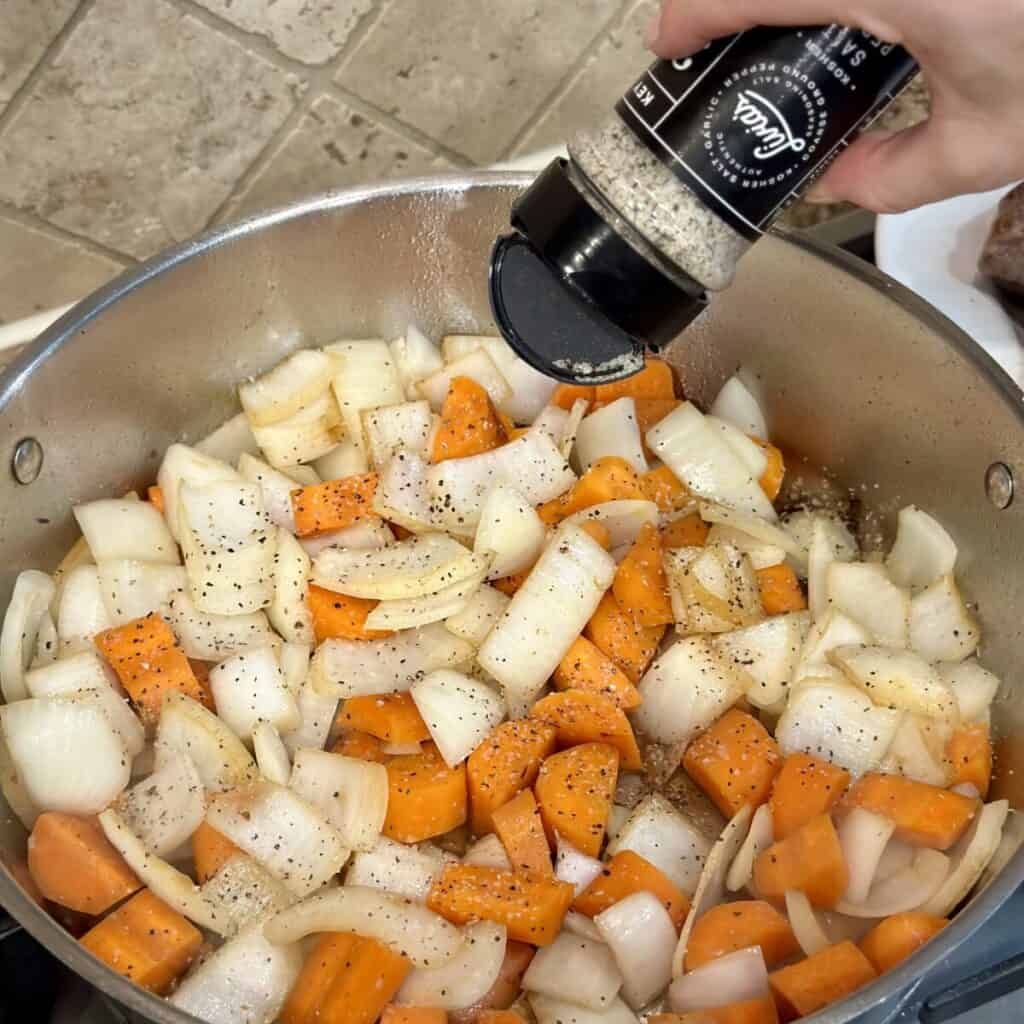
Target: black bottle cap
point(573, 297)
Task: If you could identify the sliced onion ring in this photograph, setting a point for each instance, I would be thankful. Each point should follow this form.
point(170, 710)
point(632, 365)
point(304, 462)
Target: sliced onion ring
point(804, 921)
point(909, 889)
point(733, 978)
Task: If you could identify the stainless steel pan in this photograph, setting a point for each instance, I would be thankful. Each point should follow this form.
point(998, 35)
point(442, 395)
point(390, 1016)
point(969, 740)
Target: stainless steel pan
point(858, 377)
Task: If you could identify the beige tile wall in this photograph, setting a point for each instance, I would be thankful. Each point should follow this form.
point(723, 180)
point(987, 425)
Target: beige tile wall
point(129, 125)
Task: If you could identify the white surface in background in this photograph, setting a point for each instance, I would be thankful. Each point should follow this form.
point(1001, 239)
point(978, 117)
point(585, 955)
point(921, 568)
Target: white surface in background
point(532, 161)
point(934, 251)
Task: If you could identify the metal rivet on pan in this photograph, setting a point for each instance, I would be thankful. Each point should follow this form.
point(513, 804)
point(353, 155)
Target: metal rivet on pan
point(999, 485)
point(27, 460)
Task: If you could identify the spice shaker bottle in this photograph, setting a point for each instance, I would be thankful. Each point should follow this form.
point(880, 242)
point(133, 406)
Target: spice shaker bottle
point(614, 250)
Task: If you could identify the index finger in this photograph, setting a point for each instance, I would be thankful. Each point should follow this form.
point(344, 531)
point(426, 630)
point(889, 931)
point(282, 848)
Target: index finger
point(688, 25)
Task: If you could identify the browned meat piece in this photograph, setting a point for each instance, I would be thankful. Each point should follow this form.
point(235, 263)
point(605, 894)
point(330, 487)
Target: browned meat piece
point(1002, 259)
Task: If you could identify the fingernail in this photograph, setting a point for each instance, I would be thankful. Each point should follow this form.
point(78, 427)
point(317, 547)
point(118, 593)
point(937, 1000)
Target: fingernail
point(652, 31)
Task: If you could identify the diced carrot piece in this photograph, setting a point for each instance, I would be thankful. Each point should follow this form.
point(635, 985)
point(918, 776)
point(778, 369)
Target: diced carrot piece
point(584, 667)
point(469, 423)
point(599, 532)
point(582, 717)
point(626, 873)
point(499, 1017)
point(810, 860)
point(820, 980)
point(360, 745)
point(805, 787)
point(655, 380)
point(504, 764)
point(891, 941)
point(412, 1015)
point(775, 470)
point(145, 941)
point(732, 926)
point(608, 479)
point(734, 762)
point(521, 832)
point(532, 909)
point(565, 396)
point(426, 798)
point(333, 504)
point(685, 532)
point(575, 789)
point(346, 979)
point(640, 585)
point(751, 1011)
point(155, 496)
point(509, 584)
point(341, 617)
point(392, 717)
point(969, 751)
point(147, 659)
point(74, 864)
point(211, 850)
point(665, 489)
point(924, 815)
point(614, 630)
point(780, 590)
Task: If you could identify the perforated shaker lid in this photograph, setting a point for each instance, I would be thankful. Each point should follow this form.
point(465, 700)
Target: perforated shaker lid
point(573, 297)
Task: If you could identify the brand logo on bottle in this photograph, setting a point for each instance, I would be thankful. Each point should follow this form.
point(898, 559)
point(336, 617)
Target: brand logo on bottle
point(768, 124)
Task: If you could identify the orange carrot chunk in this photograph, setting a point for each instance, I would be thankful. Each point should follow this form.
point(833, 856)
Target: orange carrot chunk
point(924, 815)
point(360, 745)
point(780, 590)
point(734, 762)
point(504, 764)
point(426, 798)
point(155, 496)
point(599, 532)
point(211, 850)
point(653, 381)
point(74, 864)
point(820, 980)
point(685, 532)
point(665, 489)
point(333, 504)
point(412, 1015)
point(608, 479)
point(732, 926)
point(751, 1011)
point(145, 941)
point(345, 979)
point(640, 585)
point(805, 787)
point(774, 471)
point(575, 790)
point(469, 423)
point(147, 659)
point(582, 717)
point(891, 941)
point(521, 831)
point(532, 909)
point(565, 396)
point(391, 717)
point(614, 630)
point(626, 873)
point(341, 617)
point(586, 668)
point(810, 860)
point(969, 751)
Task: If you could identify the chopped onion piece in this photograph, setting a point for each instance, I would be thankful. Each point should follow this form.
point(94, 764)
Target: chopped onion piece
point(768, 652)
point(407, 871)
point(289, 610)
point(458, 711)
point(271, 754)
point(30, 604)
point(974, 686)
point(489, 851)
point(941, 628)
point(308, 435)
point(1013, 836)
point(286, 834)
point(117, 528)
point(370, 533)
point(572, 426)
point(641, 936)
point(575, 867)
point(580, 971)
point(276, 488)
point(466, 978)
point(344, 459)
point(317, 713)
point(395, 428)
point(623, 519)
point(750, 454)
point(410, 612)
point(250, 688)
point(833, 630)
point(923, 550)
point(686, 689)
point(14, 791)
point(403, 497)
point(247, 979)
point(478, 366)
point(611, 431)
point(81, 610)
point(714, 589)
point(830, 542)
point(552, 421)
point(293, 384)
point(167, 807)
point(909, 889)
point(365, 378)
point(661, 834)
point(838, 723)
point(355, 668)
point(736, 405)
point(210, 637)
point(808, 930)
point(581, 925)
point(733, 978)
point(415, 357)
point(908, 755)
point(232, 439)
point(243, 892)
point(184, 465)
point(557, 1011)
point(547, 613)
point(478, 618)
point(422, 936)
point(510, 531)
point(768, 535)
point(864, 592)
point(863, 836)
point(896, 856)
point(760, 836)
point(352, 794)
point(132, 590)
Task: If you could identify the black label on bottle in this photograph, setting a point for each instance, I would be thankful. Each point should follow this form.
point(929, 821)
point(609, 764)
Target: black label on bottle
point(749, 121)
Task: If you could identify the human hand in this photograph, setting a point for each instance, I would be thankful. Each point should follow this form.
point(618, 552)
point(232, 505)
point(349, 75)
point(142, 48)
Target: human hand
point(971, 56)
